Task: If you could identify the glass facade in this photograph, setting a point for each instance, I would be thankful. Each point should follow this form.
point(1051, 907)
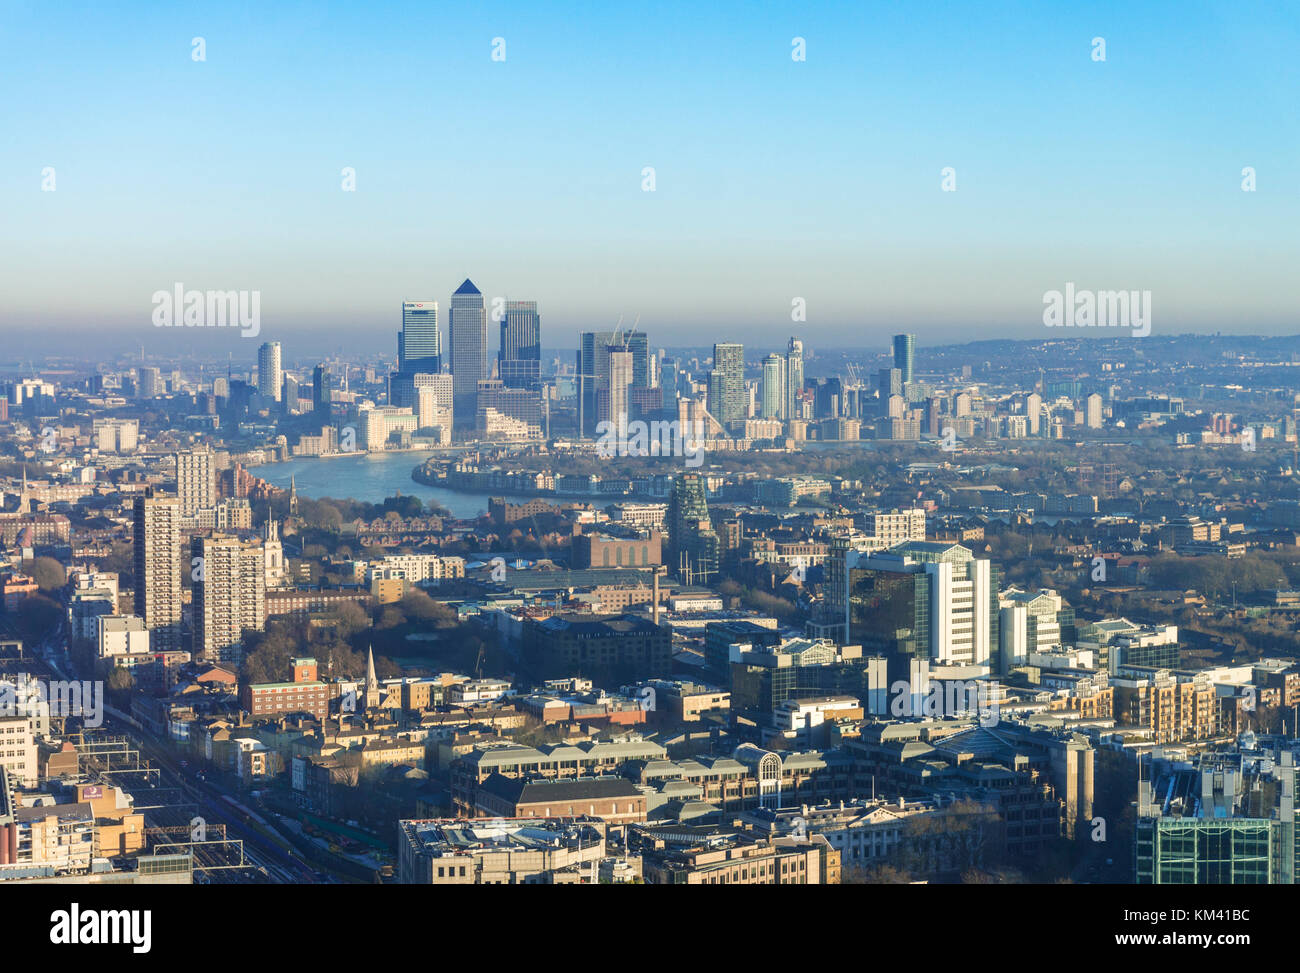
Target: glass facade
point(419, 345)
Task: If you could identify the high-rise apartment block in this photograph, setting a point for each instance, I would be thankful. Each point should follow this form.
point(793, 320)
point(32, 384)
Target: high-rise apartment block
point(196, 481)
point(727, 383)
point(270, 378)
point(156, 540)
point(229, 595)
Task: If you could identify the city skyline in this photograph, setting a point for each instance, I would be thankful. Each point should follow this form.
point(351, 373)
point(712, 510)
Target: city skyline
point(821, 445)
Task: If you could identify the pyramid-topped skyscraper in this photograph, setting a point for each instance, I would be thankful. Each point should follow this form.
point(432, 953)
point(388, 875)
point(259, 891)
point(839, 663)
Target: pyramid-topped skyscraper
point(467, 337)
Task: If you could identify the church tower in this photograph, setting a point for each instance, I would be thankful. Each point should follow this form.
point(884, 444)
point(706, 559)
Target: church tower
point(372, 681)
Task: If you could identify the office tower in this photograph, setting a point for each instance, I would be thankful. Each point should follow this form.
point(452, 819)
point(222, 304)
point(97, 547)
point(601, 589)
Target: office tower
point(668, 378)
point(1034, 412)
point(729, 366)
point(467, 335)
point(322, 388)
point(1030, 622)
point(904, 353)
point(229, 595)
point(593, 369)
point(148, 382)
point(793, 379)
point(196, 481)
point(1093, 411)
point(289, 395)
point(269, 376)
point(620, 381)
point(693, 546)
point(923, 600)
point(419, 344)
point(773, 387)
point(519, 362)
point(156, 542)
point(889, 382)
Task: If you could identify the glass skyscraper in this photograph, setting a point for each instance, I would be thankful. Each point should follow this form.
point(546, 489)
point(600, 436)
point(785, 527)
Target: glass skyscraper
point(322, 384)
point(774, 387)
point(593, 368)
point(467, 335)
point(693, 545)
point(519, 362)
point(419, 345)
point(904, 353)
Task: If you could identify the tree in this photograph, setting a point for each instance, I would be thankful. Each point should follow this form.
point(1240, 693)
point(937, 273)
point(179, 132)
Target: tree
point(350, 618)
point(48, 573)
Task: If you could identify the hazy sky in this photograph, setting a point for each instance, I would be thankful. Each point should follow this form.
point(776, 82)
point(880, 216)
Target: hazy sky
point(774, 179)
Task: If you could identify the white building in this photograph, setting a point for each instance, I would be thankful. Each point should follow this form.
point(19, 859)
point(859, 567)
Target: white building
point(960, 595)
point(17, 741)
point(1028, 624)
point(379, 422)
point(122, 635)
point(116, 435)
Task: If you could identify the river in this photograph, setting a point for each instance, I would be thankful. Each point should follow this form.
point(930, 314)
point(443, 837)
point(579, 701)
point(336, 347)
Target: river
point(371, 477)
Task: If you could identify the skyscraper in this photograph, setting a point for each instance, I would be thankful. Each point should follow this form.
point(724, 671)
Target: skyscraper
point(1092, 411)
point(269, 377)
point(467, 334)
point(289, 397)
point(1034, 410)
point(620, 380)
point(519, 362)
point(729, 367)
point(229, 595)
point(196, 481)
point(923, 600)
point(904, 351)
point(322, 385)
point(156, 542)
point(593, 369)
point(148, 382)
point(693, 545)
point(773, 406)
point(419, 344)
point(793, 378)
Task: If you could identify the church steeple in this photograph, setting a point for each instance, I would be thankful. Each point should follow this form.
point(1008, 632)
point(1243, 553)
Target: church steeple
point(24, 501)
point(372, 681)
point(293, 495)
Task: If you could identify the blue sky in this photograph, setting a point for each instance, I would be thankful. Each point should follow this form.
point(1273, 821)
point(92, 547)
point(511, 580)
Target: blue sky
point(774, 179)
